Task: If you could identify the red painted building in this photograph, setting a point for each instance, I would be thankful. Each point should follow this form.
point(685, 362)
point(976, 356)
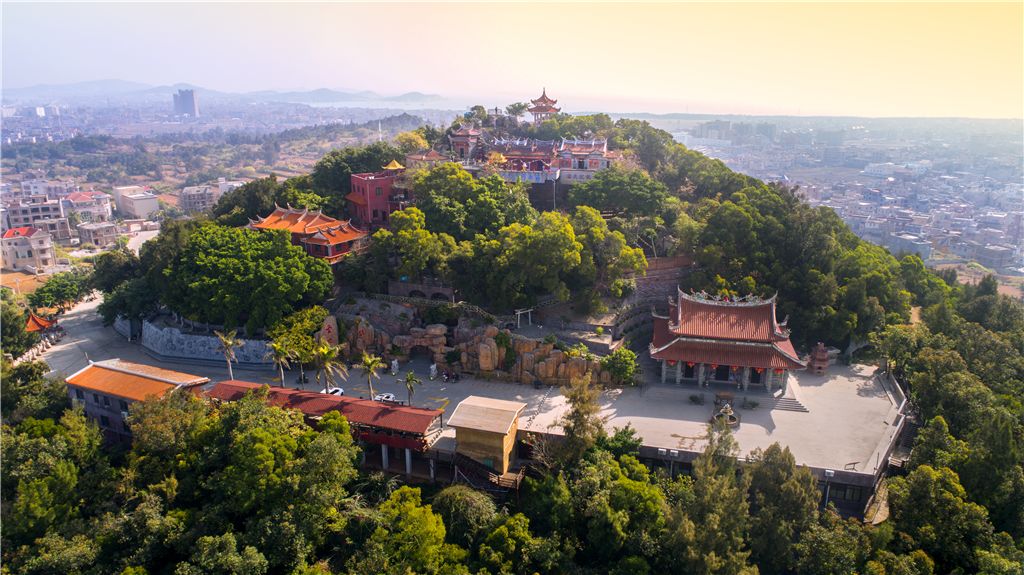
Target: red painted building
point(736, 342)
point(376, 195)
point(321, 236)
point(464, 142)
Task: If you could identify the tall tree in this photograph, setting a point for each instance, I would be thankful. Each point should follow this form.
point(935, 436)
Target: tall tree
point(582, 423)
point(329, 364)
point(411, 381)
point(709, 536)
point(13, 337)
point(783, 504)
point(370, 364)
point(281, 354)
point(228, 343)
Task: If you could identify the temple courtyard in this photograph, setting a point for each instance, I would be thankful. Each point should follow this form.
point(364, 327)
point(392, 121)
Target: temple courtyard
point(843, 420)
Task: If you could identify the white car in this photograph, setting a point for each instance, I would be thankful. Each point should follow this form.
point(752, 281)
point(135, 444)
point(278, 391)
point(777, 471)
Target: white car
point(384, 397)
point(333, 391)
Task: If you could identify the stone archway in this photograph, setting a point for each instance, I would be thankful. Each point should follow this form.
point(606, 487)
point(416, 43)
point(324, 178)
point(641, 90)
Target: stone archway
point(417, 293)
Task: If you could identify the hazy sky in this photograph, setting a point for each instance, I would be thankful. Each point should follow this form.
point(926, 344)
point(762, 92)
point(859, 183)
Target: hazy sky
point(873, 59)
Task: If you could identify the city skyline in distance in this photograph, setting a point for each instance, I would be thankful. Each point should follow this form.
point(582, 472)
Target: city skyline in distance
point(914, 60)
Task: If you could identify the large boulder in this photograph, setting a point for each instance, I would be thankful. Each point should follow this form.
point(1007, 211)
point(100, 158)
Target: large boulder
point(490, 331)
point(527, 361)
point(488, 355)
point(437, 329)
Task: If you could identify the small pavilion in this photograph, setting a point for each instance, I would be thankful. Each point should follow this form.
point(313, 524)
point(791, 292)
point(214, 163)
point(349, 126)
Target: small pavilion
point(36, 324)
point(737, 342)
point(543, 107)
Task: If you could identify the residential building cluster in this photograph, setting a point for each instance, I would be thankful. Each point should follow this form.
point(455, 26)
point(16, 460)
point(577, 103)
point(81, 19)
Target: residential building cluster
point(944, 195)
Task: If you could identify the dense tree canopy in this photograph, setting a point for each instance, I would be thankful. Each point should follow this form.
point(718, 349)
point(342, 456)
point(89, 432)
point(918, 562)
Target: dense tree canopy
point(237, 276)
point(456, 203)
point(15, 340)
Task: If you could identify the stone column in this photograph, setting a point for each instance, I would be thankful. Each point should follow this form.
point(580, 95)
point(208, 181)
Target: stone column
point(408, 462)
point(785, 381)
point(432, 470)
point(679, 372)
point(745, 374)
point(769, 375)
point(384, 457)
point(700, 374)
point(664, 371)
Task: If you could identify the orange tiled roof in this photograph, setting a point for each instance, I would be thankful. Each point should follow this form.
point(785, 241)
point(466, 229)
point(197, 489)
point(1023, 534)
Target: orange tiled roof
point(295, 221)
point(342, 233)
point(25, 231)
point(36, 323)
point(131, 380)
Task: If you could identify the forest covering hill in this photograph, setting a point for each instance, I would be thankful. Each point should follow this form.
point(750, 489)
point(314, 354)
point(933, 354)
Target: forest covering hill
point(247, 488)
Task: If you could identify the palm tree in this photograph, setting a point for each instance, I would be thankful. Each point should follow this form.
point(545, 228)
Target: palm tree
point(280, 353)
point(228, 343)
point(325, 357)
point(411, 381)
point(370, 364)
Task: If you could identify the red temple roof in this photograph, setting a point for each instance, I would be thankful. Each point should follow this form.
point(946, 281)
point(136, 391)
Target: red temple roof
point(544, 100)
point(751, 320)
point(36, 323)
point(740, 332)
point(359, 412)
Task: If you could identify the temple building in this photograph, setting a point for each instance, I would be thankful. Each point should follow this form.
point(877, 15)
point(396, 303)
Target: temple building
point(708, 340)
point(543, 107)
point(321, 236)
point(376, 195)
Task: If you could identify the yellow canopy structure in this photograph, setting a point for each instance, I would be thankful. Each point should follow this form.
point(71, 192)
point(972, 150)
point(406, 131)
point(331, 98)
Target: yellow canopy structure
point(394, 165)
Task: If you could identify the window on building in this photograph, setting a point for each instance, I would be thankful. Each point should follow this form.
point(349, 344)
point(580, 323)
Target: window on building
point(378, 191)
point(124, 426)
point(96, 398)
point(79, 394)
point(123, 404)
point(104, 421)
point(106, 401)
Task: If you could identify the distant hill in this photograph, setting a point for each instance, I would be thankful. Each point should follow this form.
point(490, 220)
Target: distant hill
point(44, 93)
point(122, 91)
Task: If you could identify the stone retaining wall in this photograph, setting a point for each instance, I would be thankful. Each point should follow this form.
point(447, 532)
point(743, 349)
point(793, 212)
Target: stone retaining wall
point(170, 343)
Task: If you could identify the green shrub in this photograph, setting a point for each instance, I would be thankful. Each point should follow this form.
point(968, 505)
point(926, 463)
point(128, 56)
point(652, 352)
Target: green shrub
point(621, 363)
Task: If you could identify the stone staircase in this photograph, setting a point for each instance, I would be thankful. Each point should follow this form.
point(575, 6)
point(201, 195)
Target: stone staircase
point(784, 404)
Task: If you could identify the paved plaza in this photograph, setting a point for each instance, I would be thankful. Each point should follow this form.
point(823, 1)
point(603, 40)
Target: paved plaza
point(849, 421)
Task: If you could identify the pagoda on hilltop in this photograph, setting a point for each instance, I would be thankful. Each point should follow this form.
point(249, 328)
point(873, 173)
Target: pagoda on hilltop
point(708, 340)
point(543, 107)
